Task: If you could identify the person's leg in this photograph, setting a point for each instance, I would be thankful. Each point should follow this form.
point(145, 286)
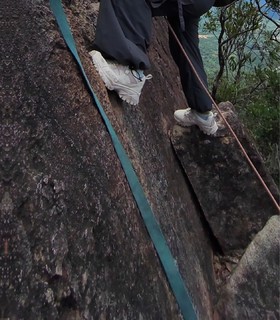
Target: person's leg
point(196, 96)
point(198, 100)
point(123, 31)
point(123, 35)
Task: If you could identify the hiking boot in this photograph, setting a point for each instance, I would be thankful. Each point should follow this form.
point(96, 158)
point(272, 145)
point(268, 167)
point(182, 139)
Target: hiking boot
point(189, 117)
point(126, 82)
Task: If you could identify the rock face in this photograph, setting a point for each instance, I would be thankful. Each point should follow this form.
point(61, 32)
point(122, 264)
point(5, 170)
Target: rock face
point(253, 290)
point(73, 245)
point(232, 198)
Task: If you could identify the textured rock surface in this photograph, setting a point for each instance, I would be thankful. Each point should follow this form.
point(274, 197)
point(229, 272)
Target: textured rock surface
point(233, 200)
point(253, 290)
point(73, 245)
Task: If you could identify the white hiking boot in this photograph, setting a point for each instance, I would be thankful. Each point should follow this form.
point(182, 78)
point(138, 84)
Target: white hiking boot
point(189, 117)
point(125, 81)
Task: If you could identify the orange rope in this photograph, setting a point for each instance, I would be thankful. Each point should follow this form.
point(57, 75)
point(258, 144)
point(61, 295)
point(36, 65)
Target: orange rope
point(224, 119)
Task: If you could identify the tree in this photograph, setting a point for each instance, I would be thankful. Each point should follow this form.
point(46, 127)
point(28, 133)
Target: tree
point(236, 33)
point(248, 54)
point(265, 9)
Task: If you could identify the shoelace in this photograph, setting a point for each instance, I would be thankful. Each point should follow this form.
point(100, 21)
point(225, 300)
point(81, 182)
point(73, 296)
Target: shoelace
point(137, 75)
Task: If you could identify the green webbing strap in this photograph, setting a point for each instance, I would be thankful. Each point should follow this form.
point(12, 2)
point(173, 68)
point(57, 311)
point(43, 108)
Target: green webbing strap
point(169, 265)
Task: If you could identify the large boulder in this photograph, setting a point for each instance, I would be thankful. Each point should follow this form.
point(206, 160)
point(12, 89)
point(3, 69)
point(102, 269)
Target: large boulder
point(73, 244)
point(253, 291)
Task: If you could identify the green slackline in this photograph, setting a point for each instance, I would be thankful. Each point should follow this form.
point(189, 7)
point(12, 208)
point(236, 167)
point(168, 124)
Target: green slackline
point(173, 275)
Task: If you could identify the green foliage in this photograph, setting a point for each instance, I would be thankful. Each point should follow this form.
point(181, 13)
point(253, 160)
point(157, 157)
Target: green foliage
point(248, 72)
point(259, 111)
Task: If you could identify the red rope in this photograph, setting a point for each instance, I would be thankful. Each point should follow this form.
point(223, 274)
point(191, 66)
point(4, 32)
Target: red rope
point(224, 119)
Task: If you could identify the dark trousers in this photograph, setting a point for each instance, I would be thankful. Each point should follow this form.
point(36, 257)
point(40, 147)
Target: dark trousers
point(123, 33)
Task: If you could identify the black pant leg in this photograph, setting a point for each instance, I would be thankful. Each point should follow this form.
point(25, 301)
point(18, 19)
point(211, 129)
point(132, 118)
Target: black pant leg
point(123, 31)
point(196, 96)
